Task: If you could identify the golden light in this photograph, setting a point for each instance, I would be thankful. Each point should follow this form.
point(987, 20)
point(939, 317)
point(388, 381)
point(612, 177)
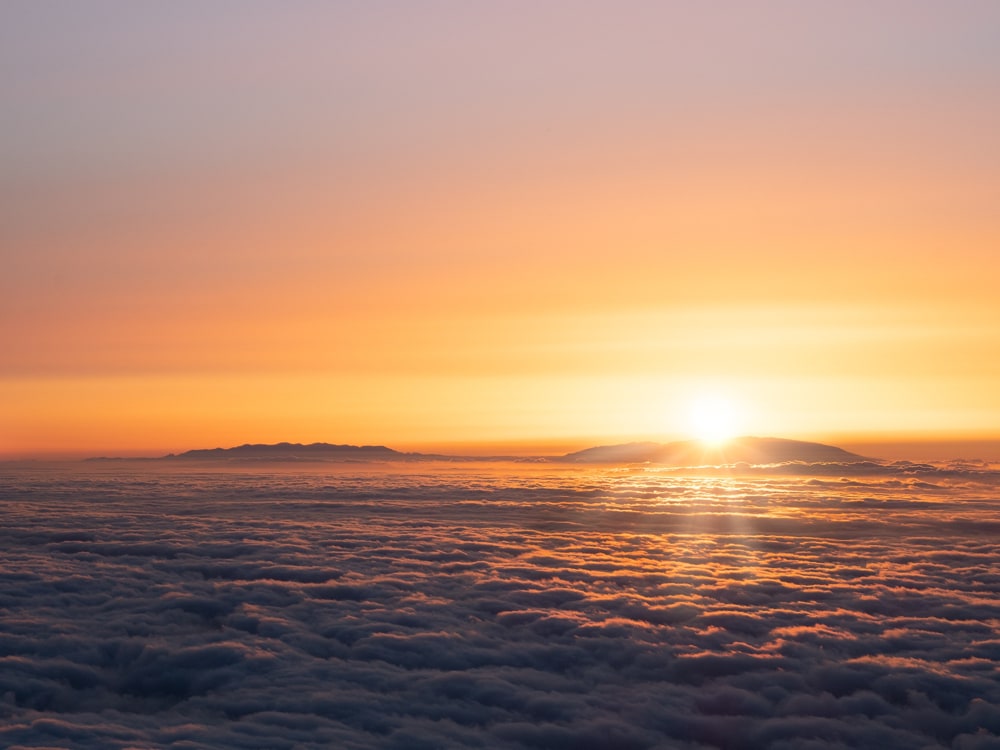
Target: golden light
point(713, 419)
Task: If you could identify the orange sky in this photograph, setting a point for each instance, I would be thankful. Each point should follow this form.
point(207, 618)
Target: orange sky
point(438, 223)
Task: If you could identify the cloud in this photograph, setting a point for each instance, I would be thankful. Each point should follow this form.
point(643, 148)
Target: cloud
point(528, 607)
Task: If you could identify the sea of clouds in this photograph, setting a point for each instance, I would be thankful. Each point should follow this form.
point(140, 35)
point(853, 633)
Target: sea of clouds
point(499, 606)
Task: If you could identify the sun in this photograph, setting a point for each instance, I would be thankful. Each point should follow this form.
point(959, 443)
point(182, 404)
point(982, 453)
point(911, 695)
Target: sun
point(713, 419)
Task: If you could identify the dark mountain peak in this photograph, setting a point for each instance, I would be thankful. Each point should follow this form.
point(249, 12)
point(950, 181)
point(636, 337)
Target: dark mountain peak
point(294, 452)
point(752, 450)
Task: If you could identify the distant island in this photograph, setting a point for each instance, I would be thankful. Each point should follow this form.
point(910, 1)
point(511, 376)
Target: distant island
point(750, 450)
point(296, 452)
point(684, 453)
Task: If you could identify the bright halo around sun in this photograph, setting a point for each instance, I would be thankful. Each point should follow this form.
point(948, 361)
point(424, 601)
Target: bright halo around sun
point(714, 419)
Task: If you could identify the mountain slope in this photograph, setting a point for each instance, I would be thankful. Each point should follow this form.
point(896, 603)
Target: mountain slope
point(753, 450)
point(295, 452)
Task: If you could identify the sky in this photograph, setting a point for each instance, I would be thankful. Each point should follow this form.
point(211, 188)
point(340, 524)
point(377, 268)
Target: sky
point(444, 223)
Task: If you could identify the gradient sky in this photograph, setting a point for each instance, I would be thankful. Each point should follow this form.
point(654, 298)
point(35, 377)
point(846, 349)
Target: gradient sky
point(426, 223)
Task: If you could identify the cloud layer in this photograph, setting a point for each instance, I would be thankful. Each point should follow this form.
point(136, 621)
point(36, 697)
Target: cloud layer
point(498, 606)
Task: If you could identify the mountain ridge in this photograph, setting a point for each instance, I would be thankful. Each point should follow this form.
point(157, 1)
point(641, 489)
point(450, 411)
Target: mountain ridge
point(747, 449)
point(294, 450)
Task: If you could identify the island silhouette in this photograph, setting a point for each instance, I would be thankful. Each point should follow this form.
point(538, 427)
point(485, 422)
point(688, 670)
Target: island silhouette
point(749, 450)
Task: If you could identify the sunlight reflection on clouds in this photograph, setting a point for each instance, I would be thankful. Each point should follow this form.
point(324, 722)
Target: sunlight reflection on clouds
point(507, 607)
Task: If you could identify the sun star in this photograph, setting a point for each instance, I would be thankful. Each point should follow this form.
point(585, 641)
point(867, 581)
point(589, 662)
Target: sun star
point(713, 419)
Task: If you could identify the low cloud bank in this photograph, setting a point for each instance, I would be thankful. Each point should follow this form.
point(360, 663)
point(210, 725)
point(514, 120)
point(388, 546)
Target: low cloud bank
point(516, 608)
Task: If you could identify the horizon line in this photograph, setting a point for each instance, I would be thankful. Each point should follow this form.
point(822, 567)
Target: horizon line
point(893, 445)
